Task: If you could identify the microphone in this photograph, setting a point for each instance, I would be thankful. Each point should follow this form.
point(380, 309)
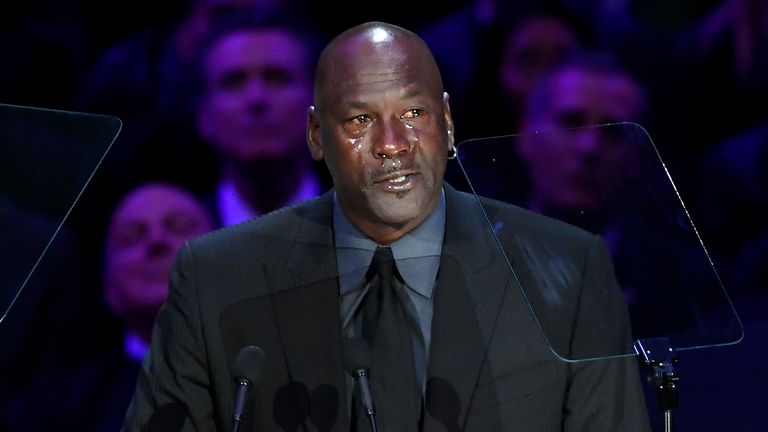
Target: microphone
point(246, 371)
point(357, 361)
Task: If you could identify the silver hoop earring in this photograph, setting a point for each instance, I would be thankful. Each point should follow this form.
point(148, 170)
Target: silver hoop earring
point(452, 152)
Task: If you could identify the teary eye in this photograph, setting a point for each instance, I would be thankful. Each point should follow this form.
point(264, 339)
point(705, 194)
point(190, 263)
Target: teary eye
point(412, 113)
point(362, 119)
point(357, 124)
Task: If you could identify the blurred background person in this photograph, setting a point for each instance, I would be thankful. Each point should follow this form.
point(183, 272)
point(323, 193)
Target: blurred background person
point(725, 53)
point(492, 53)
point(45, 301)
point(92, 393)
point(147, 229)
point(144, 79)
point(604, 180)
point(468, 43)
point(254, 88)
point(732, 215)
point(536, 40)
point(669, 284)
point(40, 175)
point(584, 89)
point(595, 177)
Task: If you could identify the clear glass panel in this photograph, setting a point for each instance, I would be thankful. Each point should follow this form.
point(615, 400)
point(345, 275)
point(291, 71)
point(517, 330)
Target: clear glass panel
point(47, 159)
point(609, 180)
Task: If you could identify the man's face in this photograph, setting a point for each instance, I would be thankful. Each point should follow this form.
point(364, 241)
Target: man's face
point(536, 44)
point(383, 126)
point(579, 169)
point(146, 232)
point(257, 89)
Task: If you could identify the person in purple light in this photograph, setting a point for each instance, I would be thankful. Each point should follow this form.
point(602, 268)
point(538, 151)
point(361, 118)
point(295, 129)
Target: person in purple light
point(584, 90)
point(584, 168)
point(255, 84)
point(147, 228)
point(537, 40)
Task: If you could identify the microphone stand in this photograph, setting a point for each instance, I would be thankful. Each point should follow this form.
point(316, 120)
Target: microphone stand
point(659, 359)
point(361, 376)
point(242, 389)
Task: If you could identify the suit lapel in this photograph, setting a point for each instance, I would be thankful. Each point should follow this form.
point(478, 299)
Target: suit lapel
point(305, 301)
point(470, 287)
point(304, 297)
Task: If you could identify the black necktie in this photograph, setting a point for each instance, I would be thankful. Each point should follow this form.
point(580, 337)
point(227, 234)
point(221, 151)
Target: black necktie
point(385, 326)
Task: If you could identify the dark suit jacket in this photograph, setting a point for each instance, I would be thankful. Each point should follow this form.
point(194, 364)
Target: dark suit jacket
point(272, 282)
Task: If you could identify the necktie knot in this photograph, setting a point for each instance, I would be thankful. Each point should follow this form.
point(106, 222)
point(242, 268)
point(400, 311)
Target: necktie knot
point(383, 264)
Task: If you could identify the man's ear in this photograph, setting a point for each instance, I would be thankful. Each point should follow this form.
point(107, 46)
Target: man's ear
point(448, 119)
point(313, 134)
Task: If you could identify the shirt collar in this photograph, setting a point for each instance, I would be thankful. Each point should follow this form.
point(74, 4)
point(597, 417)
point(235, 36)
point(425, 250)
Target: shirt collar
point(417, 253)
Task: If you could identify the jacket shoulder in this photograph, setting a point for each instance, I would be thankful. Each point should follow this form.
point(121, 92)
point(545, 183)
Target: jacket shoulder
point(283, 225)
point(511, 218)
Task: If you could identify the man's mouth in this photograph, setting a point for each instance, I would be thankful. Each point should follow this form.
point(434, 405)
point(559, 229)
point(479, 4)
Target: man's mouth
point(396, 181)
point(394, 176)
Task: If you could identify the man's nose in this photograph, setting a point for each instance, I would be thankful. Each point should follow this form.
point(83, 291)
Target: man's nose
point(255, 92)
point(588, 141)
point(159, 242)
point(391, 139)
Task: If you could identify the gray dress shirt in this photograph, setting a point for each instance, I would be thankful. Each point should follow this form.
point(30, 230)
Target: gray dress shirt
point(417, 256)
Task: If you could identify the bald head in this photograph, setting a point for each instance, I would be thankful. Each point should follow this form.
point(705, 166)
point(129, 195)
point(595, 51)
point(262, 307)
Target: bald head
point(383, 126)
point(146, 231)
point(374, 52)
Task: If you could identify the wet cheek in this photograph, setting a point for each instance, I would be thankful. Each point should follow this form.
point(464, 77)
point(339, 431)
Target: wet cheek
point(357, 146)
point(361, 164)
point(413, 134)
point(358, 154)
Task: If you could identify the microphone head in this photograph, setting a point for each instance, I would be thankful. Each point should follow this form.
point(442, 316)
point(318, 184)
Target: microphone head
point(357, 354)
point(249, 364)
